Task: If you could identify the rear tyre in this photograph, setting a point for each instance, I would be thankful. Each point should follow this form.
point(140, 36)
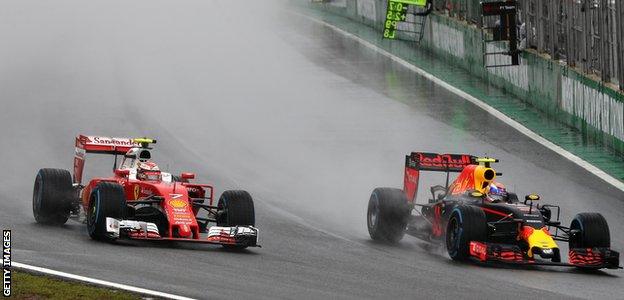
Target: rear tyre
point(237, 209)
point(466, 224)
point(52, 196)
point(387, 215)
point(591, 230)
point(107, 199)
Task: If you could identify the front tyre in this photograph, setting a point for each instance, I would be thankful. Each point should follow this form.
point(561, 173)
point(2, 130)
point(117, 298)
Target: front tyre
point(107, 199)
point(590, 230)
point(52, 196)
point(387, 215)
point(236, 208)
point(466, 224)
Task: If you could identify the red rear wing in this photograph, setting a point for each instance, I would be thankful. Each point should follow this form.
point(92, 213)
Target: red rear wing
point(438, 162)
point(425, 161)
point(98, 144)
point(106, 145)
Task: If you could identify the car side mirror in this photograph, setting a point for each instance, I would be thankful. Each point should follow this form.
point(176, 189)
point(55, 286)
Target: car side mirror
point(546, 213)
point(531, 197)
point(122, 172)
point(187, 175)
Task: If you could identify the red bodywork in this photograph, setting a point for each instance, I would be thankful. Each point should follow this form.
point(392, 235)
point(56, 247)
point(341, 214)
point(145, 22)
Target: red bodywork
point(176, 204)
point(176, 196)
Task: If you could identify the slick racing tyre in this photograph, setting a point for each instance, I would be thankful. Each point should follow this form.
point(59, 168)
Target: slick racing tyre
point(590, 230)
point(52, 196)
point(107, 199)
point(466, 224)
point(387, 215)
point(237, 208)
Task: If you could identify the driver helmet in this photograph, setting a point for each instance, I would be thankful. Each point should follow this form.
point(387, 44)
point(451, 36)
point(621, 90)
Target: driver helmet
point(147, 170)
point(497, 192)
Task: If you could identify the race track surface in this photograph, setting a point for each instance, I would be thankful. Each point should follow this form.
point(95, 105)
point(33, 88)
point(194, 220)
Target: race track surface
point(249, 96)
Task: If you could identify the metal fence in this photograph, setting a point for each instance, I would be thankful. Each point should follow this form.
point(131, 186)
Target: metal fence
point(585, 34)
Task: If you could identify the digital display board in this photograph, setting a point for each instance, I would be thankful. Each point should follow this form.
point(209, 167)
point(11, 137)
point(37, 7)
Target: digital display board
point(396, 12)
point(498, 8)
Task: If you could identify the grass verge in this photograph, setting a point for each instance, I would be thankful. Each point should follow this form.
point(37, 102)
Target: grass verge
point(32, 287)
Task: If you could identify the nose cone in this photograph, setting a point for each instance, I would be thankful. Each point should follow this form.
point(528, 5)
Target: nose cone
point(537, 238)
point(184, 231)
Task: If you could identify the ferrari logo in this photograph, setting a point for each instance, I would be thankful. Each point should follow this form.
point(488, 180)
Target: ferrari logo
point(137, 191)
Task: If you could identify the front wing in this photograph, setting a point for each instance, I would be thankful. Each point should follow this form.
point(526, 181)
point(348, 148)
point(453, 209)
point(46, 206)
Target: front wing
point(590, 258)
point(246, 236)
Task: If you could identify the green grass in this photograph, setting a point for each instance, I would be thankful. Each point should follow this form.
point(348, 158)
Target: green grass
point(32, 287)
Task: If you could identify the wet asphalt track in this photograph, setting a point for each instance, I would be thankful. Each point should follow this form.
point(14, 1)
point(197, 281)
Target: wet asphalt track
point(308, 121)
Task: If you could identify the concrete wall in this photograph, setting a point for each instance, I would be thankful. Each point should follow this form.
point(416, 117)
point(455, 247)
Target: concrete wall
point(561, 92)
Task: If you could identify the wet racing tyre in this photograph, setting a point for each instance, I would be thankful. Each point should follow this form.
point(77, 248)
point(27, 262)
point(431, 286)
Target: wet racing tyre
point(52, 196)
point(466, 224)
point(237, 209)
point(107, 199)
point(387, 215)
point(589, 230)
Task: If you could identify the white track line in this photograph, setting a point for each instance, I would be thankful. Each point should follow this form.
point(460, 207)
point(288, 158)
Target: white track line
point(491, 110)
point(97, 282)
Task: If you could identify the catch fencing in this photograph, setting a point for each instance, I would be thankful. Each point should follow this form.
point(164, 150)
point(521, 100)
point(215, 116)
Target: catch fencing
point(587, 35)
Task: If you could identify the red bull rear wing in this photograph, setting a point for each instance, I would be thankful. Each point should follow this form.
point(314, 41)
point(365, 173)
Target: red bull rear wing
point(426, 161)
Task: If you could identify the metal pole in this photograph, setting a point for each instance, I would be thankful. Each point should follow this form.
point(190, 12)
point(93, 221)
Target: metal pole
point(552, 31)
point(568, 8)
point(587, 35)
point(619, 6)
point(605, 37)
point(539, 25)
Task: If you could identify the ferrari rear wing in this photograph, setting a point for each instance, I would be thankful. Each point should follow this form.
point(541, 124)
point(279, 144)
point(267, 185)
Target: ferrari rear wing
point(426, 161)
point(98, 144)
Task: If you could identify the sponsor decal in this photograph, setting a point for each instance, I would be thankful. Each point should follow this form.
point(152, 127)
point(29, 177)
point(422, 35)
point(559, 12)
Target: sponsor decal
point(140, 191)
point(443, 161)
point(6, 263)
point(193, 189)
point(84, 139)
point(177, 203)
point(146, 191)
point(478, 250)
point(137, 191)
point(411, 176)
point(461, 186)
point(110, 141)
point(80, 152)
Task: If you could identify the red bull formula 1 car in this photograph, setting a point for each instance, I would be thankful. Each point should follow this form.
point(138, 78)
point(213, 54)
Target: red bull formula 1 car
point(477, 219)
point(140, 201)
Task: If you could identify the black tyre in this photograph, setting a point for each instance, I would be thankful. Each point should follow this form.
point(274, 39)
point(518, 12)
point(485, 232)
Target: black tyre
point(237, 208)
point(107, 199)
point(590, 230)
point(53, 194)
point(466, 224)
point(387, 215)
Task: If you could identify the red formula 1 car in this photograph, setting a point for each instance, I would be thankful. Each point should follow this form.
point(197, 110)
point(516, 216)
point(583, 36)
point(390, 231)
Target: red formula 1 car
point(477, 219)
point(140, 201)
